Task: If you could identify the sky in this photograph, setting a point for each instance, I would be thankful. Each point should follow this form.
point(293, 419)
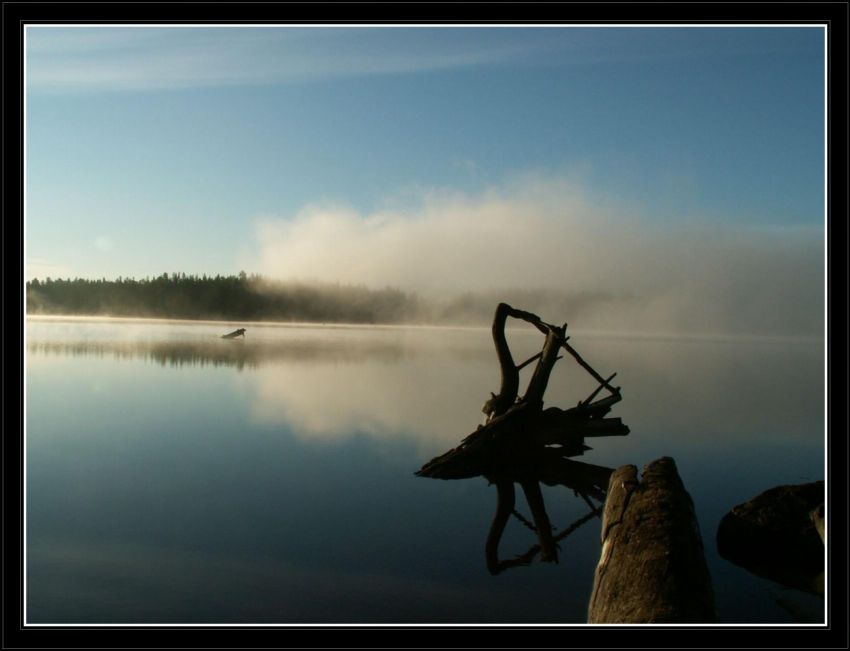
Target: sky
point(653, 164)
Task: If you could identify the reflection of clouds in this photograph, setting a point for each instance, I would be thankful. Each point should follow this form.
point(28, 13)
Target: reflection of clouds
point(771, 390)
point(436, 401)
point(428, 384)
point(768, 391)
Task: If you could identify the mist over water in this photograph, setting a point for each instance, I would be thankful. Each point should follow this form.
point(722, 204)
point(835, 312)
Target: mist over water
point(385, 382)
point(552, 246)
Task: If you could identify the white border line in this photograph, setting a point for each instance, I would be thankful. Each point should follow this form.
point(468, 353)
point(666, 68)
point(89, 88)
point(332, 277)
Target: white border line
point(427, 25)
point(23, 577)
point(825, 318)
point(442, 26)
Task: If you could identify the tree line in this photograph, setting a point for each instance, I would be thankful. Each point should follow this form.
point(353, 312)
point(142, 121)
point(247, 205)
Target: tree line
point(239, 297)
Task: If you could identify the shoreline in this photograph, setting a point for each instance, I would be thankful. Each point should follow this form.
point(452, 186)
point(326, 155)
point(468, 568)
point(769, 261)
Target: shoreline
point(721, 338)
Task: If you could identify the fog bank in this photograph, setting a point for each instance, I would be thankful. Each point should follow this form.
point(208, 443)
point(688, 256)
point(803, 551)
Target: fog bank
point(547, 244)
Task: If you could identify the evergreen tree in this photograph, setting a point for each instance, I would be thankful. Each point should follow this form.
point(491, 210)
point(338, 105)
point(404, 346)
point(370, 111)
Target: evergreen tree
point(244, 297)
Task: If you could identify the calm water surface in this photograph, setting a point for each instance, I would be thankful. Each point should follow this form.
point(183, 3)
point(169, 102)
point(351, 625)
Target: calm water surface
point(175, 477)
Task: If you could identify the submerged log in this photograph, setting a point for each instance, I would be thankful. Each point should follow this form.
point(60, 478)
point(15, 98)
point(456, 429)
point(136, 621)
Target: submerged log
point(652, 566)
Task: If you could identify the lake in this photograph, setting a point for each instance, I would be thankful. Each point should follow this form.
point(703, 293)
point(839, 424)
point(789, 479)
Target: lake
point(176, 477)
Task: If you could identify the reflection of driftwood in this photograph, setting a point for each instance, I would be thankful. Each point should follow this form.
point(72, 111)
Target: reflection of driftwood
point(236, 333)
point(497, 566)
point(583, 478)
point(652, 567)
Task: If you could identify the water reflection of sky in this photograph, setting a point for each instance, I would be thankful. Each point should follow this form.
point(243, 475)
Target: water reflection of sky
point(174, 476)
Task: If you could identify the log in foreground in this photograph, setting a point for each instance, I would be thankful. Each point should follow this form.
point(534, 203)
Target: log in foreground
point(652, 566)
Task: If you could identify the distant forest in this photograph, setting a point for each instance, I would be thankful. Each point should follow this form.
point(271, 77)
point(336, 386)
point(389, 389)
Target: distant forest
point(240, 297)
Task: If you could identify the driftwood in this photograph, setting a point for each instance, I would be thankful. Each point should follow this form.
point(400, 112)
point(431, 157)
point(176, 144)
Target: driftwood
point(506, 445)
point(521, 442)
point(652, 566)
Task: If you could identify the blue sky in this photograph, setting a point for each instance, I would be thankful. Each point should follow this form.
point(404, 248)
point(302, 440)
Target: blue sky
point(210, 150)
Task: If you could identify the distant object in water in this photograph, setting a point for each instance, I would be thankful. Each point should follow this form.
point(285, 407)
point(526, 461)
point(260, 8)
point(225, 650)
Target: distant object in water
point(236, 333)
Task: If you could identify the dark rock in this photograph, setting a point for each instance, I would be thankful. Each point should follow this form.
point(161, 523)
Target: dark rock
point(774, 536)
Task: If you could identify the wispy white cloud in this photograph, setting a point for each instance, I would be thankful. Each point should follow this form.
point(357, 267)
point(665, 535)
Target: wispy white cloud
point(136, 58)
point(552, 233)
point(147, 58)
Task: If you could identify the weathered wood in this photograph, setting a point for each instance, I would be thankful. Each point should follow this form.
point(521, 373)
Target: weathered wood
point(652, 566)
point(602, 406)
point(522, 443)
point(598, 389)
point(540, 378)
point(510, 444)
point(529, 360)
point(587, 367)
point(500, 402)
point(570, 428)
point(512, 440)
point(506, 445)
point(485, 451)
